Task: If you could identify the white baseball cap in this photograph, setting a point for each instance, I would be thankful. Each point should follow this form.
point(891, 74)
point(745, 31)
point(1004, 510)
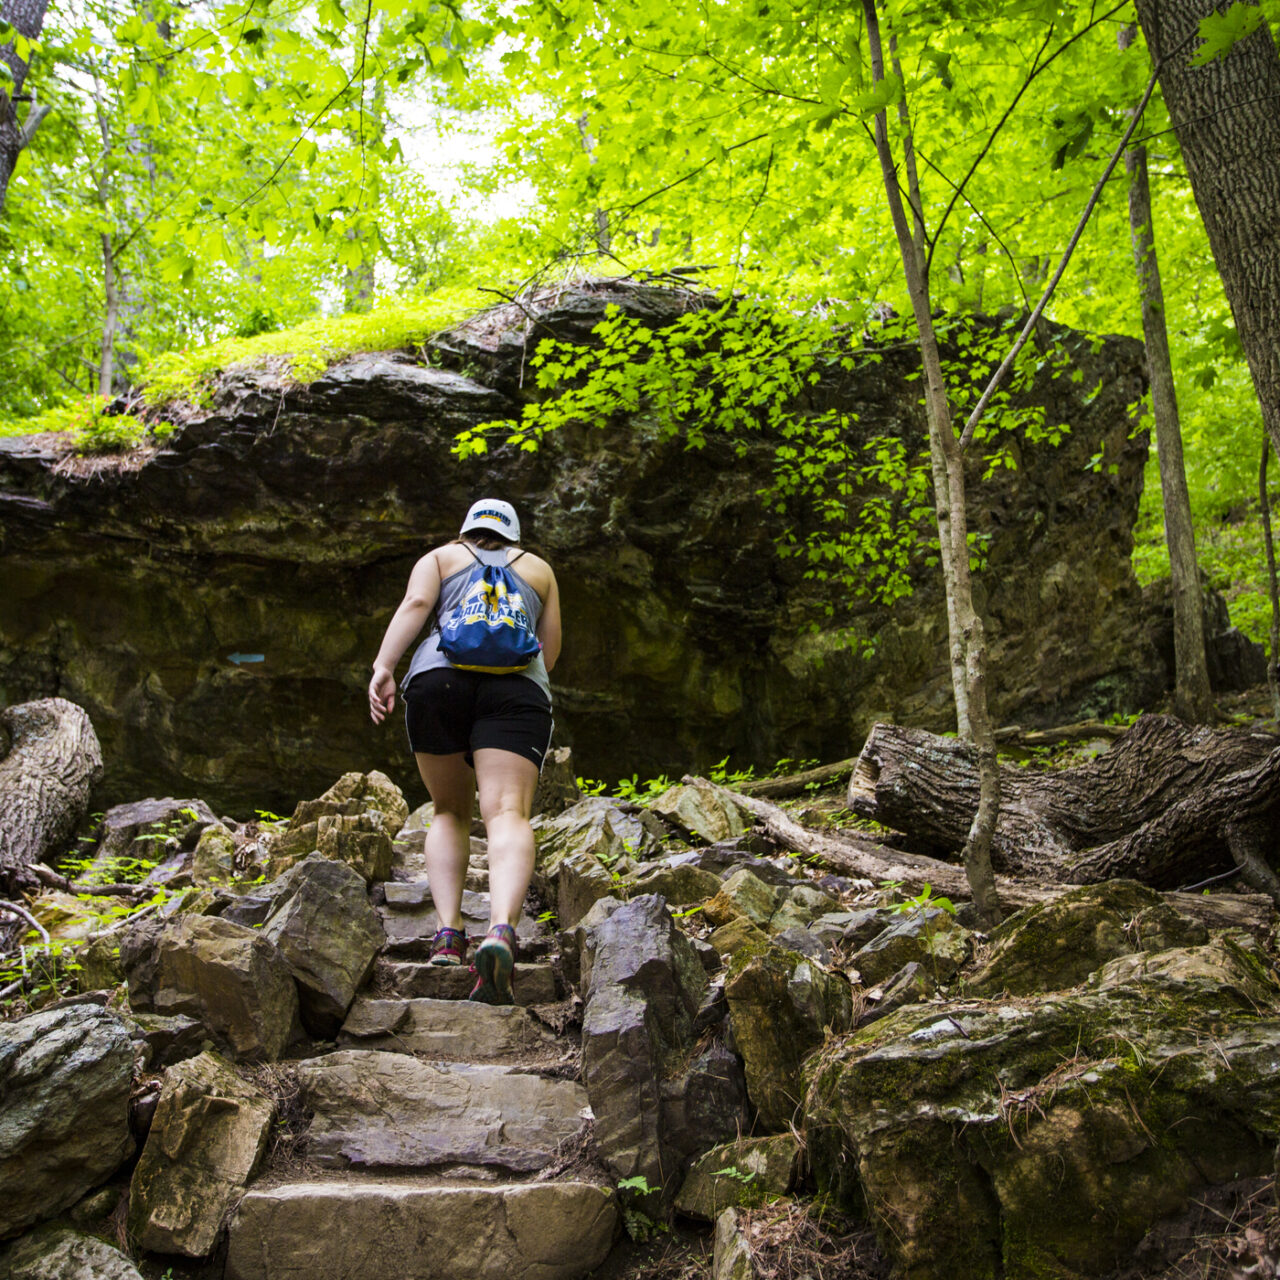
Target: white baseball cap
point(490, 515)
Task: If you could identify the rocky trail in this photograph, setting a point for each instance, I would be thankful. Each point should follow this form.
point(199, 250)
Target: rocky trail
point(752, 1031)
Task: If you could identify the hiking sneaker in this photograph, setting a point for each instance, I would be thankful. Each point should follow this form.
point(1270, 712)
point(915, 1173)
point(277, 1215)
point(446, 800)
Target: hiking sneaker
point(449, 946)
point(495, 959)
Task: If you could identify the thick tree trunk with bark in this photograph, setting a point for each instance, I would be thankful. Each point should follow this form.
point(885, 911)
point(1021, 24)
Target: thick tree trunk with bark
point(1227, 118)
point(26, 17)
point(1273, 587)
point(1169, 805)
point(51, 762)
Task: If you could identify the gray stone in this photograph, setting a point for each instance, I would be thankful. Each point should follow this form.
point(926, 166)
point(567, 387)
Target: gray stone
point(911, 984)
point(65, 1076)
point(702, 811)
point(1060, 943)
point(58, 1253)
point(741, 1174)
point(530, 983)
point(360, 840)
point(534, 1231)
point(454, 1030)
point(799, 906)
point(328, 934)
point(150, 829)
point(208, 1137)
point(231, 979)
point(930, 936)
point(643, 984)
point(803, 942)
point(167, 1040)
point(388, 1110)
point(679, 885)
point(572, 940)
point(732, 1256)
point(705, 1104)
point(850, 930)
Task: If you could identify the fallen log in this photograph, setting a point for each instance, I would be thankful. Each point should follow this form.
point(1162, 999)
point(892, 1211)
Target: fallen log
point(1169, 804)
point(870, 860)
point(52, 762)
point(796, 784)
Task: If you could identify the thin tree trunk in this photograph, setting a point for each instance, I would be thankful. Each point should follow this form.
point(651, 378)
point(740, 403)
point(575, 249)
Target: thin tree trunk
point(27, 18)
point(1264, 506)
point(110, 320)
point(1226, 115)
point(937, 460)
point(1192, 699)
point(977, 857)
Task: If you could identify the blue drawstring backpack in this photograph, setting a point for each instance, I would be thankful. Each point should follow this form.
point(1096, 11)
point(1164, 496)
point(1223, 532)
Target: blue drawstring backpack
point(490, 629)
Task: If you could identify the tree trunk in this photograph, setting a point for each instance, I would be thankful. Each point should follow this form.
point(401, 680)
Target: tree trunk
point(26, 17)
point(1226, 115)
point(1168, 805)
point(1273, 589)
point(110, 319)
point(52, 762)
point(1192, 699)
point(942, 439)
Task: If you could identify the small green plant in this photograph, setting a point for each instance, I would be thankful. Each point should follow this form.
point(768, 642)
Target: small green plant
point(642, 793)
point(639, 1225)
point(924, 898)
point(722, 774)
point(639, 1184)
point(591, 786)
point(687, 912)
point(744, 1176)
point(548, 918)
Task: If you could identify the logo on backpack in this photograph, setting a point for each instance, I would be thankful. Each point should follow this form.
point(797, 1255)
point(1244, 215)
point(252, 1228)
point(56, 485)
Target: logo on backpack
point(490, 628)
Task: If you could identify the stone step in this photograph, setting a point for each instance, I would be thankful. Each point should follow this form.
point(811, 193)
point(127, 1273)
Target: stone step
point(365, 1229)
point(410, 916)
point(409, 979)
point(391, 1111)
point(453, 1030)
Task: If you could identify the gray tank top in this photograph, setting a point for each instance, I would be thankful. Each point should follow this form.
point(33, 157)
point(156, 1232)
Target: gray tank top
point(428, 656)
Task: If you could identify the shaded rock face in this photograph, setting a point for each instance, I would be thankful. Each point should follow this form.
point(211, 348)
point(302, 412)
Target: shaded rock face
point(58, 1253)
point(65, 1076)
point(283, 522)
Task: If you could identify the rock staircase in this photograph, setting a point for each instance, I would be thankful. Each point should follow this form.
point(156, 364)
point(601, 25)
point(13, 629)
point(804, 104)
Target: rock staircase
point(438, 1127)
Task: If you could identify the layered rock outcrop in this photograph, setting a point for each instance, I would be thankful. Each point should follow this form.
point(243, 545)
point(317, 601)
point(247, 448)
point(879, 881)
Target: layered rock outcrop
point(279, 523)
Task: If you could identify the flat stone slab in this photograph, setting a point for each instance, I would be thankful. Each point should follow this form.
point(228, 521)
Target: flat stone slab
point(455, 1030)
point(531, 983)
point(391, 1111)
point(410, 914)
point(371, 1230)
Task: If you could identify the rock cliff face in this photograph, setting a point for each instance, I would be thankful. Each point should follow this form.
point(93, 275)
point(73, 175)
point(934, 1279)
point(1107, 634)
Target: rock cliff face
point(282, 521)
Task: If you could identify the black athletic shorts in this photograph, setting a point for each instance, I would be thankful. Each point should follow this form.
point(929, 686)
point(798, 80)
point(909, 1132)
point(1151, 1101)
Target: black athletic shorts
point(447, 710)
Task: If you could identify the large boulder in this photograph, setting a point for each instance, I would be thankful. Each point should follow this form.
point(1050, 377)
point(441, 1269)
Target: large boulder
point(65, 1078)
point(329, 935)
point(643, 984)
point(1015, 1138)
point(231, 979)
point(928, 936)
point(208, 1135)
point(60, 1253)
point(701, 811)
point(696, 635)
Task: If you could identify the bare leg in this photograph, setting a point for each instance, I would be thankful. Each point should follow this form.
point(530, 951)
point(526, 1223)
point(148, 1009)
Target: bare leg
point(452, 785)
point(506, 782)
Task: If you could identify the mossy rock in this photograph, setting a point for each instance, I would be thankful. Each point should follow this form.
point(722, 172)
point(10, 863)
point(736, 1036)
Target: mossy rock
point(1058, 944)
point(213, 861)
point(682, 886)
point(743, 1174)
point(743, 894)
point(928, 936)
point(1012, 1138)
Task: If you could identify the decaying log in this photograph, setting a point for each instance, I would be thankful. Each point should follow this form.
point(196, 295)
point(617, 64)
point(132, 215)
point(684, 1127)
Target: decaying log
point(51, 766)
point(1169, 804)
point(796, 784)
point(872, 861)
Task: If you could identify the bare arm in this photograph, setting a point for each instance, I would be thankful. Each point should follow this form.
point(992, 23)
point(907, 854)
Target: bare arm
point(549, 625)
point(419, 599)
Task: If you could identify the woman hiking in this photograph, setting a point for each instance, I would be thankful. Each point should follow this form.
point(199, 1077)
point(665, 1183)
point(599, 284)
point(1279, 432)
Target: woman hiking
point(477, 725)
